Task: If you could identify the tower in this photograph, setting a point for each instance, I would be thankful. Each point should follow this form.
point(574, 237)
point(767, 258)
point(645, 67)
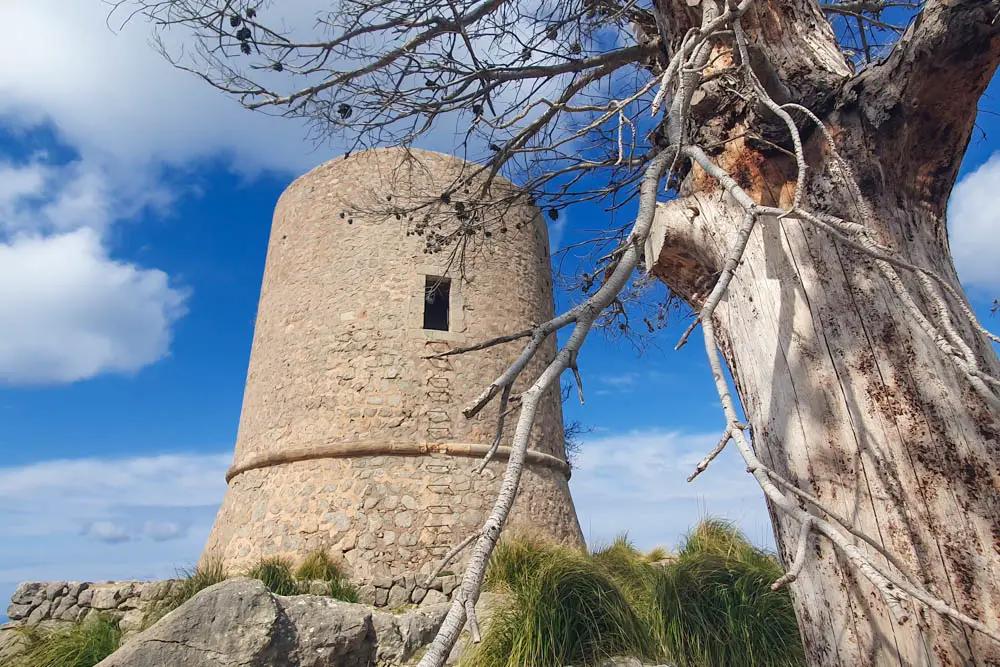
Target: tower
point(351, 437)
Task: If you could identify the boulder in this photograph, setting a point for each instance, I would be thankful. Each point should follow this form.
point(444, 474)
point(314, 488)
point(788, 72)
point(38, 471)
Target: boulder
point(239, 623)
point(399, 636)
point(11, 642)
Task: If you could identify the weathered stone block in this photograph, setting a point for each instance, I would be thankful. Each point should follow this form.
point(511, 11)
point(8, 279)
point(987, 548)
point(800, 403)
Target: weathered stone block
point(39, 613)
point(449, 583)
point(104, 597)
point(398, 596)
point(366, 594)
point(25, 593)
point(17, 612)
point(433, 597)
point(55, 589)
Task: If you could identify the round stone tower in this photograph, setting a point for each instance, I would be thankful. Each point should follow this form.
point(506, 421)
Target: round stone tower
point(351, 438)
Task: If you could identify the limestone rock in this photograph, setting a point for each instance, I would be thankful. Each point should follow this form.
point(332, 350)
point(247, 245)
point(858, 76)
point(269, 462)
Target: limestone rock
point(398, 595)
point(104, 598)
point(10, 642)
point(17, 612)
point(230, 623)
point(39, 613)
point(400, 636)
point(433, 597)
point(239, 623)
point(26, 591)
point(449, 583)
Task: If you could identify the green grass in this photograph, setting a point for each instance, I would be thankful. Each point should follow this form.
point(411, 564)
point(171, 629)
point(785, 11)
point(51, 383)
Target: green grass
point(318, 566)
point(656, 555)
point(275, 573)
point(710, 605)
point(190, 583)
point(565, 610)
point(718, 607)
point(82, 644)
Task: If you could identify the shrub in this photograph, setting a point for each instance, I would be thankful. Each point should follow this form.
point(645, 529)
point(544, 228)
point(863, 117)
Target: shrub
point(565, 609)
point(710, 605)
point(718, 607)
point(190, 583)
point(81, 644)
point(318, 566)
point(276, 575)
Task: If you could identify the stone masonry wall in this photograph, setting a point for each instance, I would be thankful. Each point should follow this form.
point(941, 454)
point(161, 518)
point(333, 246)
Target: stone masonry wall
point(382, 516)
point(350, 437)
point(47, 602)
point(35, 603)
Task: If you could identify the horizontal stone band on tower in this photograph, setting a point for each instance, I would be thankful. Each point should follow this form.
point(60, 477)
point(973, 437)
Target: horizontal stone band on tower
point(344, 449)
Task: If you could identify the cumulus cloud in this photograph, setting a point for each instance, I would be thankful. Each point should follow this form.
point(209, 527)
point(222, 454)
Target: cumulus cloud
point(974, 226)
point(69, 312)
point(111, 95)
point(635, 483)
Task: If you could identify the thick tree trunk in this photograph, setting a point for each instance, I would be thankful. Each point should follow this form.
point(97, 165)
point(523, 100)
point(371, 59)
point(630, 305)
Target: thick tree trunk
point(854, 403)
point(846, 393)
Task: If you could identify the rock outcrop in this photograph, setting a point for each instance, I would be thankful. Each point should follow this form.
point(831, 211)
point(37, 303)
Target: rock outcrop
point(239, 623)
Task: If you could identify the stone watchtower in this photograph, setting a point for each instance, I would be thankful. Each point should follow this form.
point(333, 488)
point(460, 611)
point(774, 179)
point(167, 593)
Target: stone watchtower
point(350, 439)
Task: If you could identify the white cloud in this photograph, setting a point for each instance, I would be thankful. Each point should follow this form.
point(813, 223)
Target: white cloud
point(111, 95)
point(97, 519)
point(161, 531)
point(974, 226)
point(70, 495)
point(620, 380)
point(636, 483)
point(108, 531)
point(69, 312)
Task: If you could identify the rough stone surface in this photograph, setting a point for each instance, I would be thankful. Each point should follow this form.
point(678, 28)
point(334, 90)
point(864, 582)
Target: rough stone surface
point(238, 623)
point(72, 601)
point(399, 637)
point(350, 438)
point(10, 642)
point(434, 597)
point(35, 603)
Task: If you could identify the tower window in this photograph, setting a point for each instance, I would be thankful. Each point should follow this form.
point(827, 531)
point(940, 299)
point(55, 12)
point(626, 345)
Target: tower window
point(437, 299)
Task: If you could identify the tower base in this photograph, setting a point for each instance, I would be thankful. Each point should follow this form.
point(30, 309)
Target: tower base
point(386, 515)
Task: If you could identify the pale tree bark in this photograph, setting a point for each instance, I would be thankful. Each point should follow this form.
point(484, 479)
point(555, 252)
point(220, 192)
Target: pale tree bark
point(850, 395)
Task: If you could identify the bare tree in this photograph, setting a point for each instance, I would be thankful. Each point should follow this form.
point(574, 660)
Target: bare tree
point(804, 153)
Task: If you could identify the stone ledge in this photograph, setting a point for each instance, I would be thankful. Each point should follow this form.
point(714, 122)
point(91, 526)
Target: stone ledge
point(359, 449)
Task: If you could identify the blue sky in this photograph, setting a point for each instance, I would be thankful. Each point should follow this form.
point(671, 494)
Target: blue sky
point(135, 205)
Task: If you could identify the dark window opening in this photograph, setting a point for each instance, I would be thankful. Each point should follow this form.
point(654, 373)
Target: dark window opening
point(437, 298)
